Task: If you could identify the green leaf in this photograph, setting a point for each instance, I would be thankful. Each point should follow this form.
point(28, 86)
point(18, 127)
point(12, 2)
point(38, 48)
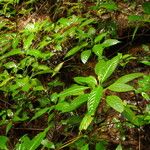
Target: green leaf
point(10, 65)
point(146, 7)
point(104, 69)
point(90, 81)
point(36, 141)
point(109, 6)
point(28, 41)
point(110, 42)
point(98, 50)
point(94, 100)
point(48, 144)
point(85, 55)
point(135, 18)
point(88, 21)
point(57, 68)
point(11, 53)
point(86, 121)
point(100, 37)
point(68, 107)
point(3, 143)
point(120, 87)
point(40, 113)
point(85, 147)
point(119, 147)
point(129, 77)
point(130, 115)
point(74, 90)
point(115, 102)
point(5, 81)
point(75, 49)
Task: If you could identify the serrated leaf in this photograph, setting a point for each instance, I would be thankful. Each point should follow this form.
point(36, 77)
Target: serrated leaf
point(104, 69)
point(85, 55)
point(90, 80)
point(28, 41)
point(110, 42)
point(74, 90)
point(40, 113)
point(98, 50)
point(120, 87)
point(99, 37)
point(128, 77)
point(75, 49)
point(115, 102)
point(68, 107)
point(86, 121)
point(94, 100)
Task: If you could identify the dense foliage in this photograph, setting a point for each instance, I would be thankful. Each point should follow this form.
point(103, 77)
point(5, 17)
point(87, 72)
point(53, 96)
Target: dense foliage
point(62, 84)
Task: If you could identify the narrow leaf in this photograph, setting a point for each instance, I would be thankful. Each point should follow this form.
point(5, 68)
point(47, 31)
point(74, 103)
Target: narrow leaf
point(94, 100)
point(115, 102)
point(28, 41)
point(110, 42)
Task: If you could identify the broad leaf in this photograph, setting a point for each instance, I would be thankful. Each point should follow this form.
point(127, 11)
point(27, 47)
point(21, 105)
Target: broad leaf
point(128, 77)
point(85, 56)
point(74, 90)
point(98, 50)
point(120, 87)
point(115, 102)
point(3, 143)
point(105, 69)
point(90, 81)
point(68, 107)
point(110, 42)
point(99, 37)
point(86, 121)
point(94, 100)
point(119, 147)
point(146, 7)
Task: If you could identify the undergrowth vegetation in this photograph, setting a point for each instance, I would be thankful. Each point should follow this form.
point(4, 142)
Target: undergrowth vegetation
point(62, 84)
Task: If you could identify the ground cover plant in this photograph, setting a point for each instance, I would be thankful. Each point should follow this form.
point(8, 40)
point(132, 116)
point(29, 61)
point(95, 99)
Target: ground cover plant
point(74, 75)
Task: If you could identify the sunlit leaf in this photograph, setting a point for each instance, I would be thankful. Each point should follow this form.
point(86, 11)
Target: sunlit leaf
point(28, 41)
point(100, 37)
point(90, 80)
point(85, 55)
point(86, 121)
point(110, 42)
point(5, 81)
point(98, 50)
point(74, 90)
point(104, 69)
point(94, 100)
point(85, 147)
point(115, 102)
point(57, 68)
